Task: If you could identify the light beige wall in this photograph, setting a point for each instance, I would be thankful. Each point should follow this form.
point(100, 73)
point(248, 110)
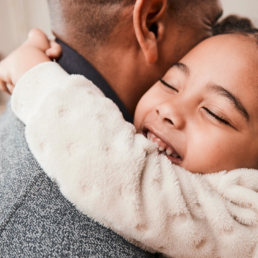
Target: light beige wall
point(17, 17)
point(247, 8)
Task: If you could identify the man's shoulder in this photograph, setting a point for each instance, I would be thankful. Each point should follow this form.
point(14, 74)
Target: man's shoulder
point(17, 165)
point(46, 224)
point(36, 220)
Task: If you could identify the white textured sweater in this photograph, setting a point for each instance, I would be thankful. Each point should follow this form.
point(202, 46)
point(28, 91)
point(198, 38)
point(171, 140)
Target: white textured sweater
point(117, 177)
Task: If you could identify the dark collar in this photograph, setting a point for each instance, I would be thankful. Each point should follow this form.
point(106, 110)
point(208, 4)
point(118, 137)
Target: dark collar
point(73, 63)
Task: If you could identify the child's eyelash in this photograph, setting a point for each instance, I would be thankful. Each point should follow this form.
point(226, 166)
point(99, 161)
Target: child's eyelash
point(220, 119)
point(217, 117)
point(166, 84)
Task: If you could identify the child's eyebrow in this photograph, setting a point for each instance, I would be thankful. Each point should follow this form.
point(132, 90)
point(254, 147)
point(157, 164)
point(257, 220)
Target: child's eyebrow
point(237, 104)
point(233, 99)
point(181, 67)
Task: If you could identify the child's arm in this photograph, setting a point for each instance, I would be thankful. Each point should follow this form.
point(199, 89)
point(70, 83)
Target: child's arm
point(28, 55)
point(117, 177)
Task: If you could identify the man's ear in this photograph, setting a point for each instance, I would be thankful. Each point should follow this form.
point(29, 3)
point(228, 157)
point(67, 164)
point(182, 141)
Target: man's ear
point(149, 25)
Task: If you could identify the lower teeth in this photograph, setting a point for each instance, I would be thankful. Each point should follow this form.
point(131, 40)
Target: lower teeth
point(173, 155)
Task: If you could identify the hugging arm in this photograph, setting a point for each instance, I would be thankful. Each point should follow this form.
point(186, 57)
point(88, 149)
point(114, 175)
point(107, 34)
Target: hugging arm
point(117, 177)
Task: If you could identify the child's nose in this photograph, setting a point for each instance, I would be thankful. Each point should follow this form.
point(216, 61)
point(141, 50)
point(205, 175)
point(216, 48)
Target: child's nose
point(171, 115)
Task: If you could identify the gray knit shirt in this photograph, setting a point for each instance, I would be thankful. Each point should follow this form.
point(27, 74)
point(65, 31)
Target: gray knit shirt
point(35, 219)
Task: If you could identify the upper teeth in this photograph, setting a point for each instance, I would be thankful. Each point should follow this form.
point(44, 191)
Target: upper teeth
point(165, 150)
point(169, 152)
point(161, 149)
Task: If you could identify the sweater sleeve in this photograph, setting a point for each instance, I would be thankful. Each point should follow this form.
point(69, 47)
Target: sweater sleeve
point(117, 177)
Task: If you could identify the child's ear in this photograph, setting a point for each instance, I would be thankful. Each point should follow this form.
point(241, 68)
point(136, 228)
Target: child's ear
point(149, 23)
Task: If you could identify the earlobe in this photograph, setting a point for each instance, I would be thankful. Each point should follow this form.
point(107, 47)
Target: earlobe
point(148, 18)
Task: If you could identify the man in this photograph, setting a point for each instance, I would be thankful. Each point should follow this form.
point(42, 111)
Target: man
point(124, 47)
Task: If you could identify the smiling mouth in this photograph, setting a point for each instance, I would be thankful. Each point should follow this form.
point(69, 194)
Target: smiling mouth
point(164, 148)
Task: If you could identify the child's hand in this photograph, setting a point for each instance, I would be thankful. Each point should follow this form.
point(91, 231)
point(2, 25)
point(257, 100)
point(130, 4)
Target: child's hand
point(55, 50)
point(30, 54)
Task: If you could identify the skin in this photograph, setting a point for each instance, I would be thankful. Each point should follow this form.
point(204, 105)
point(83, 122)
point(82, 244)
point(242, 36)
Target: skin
point(133, 58)
point(192, 112)
point(181, 116)
point(133, 65)
point(28, 55)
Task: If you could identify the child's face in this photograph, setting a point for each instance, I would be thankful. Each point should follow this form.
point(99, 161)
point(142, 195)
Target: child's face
point(210, 118)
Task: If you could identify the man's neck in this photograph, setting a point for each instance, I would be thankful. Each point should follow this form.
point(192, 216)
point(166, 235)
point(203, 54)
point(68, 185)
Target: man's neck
point(121, 74)
point(118, 67)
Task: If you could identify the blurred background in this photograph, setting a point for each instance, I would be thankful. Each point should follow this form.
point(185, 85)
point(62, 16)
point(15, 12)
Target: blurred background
point(17, 17)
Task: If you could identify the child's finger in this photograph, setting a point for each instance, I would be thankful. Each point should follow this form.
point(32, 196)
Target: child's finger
point(10, 88)
point(6, 84)
point(55, 50)
point(2, 81)
point(37, 38)
point(3, 87)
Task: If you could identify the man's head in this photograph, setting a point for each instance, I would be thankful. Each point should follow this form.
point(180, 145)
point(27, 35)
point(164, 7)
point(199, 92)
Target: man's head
point(138, 40)
point(95, 20)
point(204, 110)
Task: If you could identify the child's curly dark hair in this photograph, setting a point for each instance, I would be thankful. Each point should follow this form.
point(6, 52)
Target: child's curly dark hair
point(234, 24)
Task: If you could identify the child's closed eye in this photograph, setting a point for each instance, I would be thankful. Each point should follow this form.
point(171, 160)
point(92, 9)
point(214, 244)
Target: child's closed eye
point(168, 85)
point(217, 117)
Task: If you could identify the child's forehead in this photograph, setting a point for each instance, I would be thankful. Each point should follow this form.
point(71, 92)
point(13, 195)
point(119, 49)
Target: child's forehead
point(226, 40)
point(231, 51)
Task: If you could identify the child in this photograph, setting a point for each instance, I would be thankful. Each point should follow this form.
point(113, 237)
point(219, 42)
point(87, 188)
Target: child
point(201, 116)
